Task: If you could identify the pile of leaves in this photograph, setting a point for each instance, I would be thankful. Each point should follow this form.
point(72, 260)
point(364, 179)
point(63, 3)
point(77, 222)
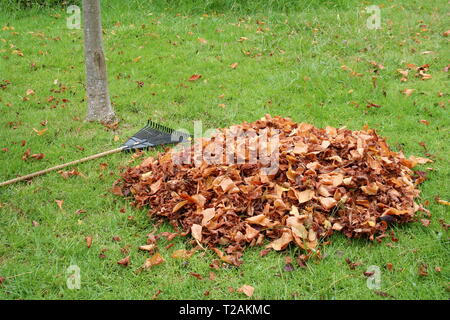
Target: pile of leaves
point(327, 180)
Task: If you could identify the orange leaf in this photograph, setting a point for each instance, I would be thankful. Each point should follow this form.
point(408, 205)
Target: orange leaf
point(153, 261)
point(59, 203)
point(195, 77)
point(88, 241)
point(247, 290)
point(40, 132)
point(124, 262)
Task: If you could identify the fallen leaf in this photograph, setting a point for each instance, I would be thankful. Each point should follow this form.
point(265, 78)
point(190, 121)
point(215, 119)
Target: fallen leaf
point(196, 275)
point(196, 231)
point(408, 92)
point(182, 254)
point(40, 132)
point(423, 270)
point(59, 203)
point(88, 241)
point(234, 65)
point(425, 222)
point(155, 296)
point(247, 290)
point(195, 77)
point(124, 262)
point(153, 261)
point(38, 156)
point(148, 247)
point(304, 196)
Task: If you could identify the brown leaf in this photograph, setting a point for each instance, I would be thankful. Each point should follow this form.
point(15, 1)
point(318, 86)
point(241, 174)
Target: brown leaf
point(425, 222)
point(282, 242)
point(153, 261)
point(157, 293)
point(195, 77)
point(38, 156)
point(196, 231)
point(59, 203)
point(304, 196)
point(408, 92)
point(40, 132)
point(124, 262)
point(247, 290)
point(182, 254)
point(148, 247)
point(196, 275)
point(88, 241)
point(423, 270)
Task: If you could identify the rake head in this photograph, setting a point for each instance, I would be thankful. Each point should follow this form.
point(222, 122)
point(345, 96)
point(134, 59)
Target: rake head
point(154, 134)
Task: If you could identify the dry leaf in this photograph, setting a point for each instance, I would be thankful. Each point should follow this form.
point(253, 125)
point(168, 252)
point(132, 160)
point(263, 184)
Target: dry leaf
point(195, 77)
point(59, 203)
point(153, 261)
point(124, 262)
point(88, 241)
point(247, 290)
point(196, 231)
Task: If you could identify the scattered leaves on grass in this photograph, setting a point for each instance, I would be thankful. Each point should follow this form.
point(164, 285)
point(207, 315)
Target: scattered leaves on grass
point(234, 65)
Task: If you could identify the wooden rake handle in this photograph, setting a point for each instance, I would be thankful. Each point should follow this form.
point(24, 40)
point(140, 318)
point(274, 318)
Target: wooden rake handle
point(38, 173)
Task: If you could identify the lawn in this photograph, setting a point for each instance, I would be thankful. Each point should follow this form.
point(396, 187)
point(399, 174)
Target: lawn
point(311, 61)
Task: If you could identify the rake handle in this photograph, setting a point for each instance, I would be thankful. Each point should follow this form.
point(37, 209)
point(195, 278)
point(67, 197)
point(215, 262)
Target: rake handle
point(61, 166)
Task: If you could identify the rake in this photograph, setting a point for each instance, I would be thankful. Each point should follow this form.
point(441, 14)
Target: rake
point(153, 134)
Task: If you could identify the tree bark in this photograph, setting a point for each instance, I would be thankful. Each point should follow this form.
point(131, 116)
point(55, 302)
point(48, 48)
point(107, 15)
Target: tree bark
point(98, 104)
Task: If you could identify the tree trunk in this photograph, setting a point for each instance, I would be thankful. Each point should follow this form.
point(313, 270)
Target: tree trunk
point(99, 104)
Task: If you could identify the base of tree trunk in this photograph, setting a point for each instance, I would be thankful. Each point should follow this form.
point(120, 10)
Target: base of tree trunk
point(103, 118)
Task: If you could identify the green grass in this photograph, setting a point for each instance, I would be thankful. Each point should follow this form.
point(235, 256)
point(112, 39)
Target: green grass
point(293, 69)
